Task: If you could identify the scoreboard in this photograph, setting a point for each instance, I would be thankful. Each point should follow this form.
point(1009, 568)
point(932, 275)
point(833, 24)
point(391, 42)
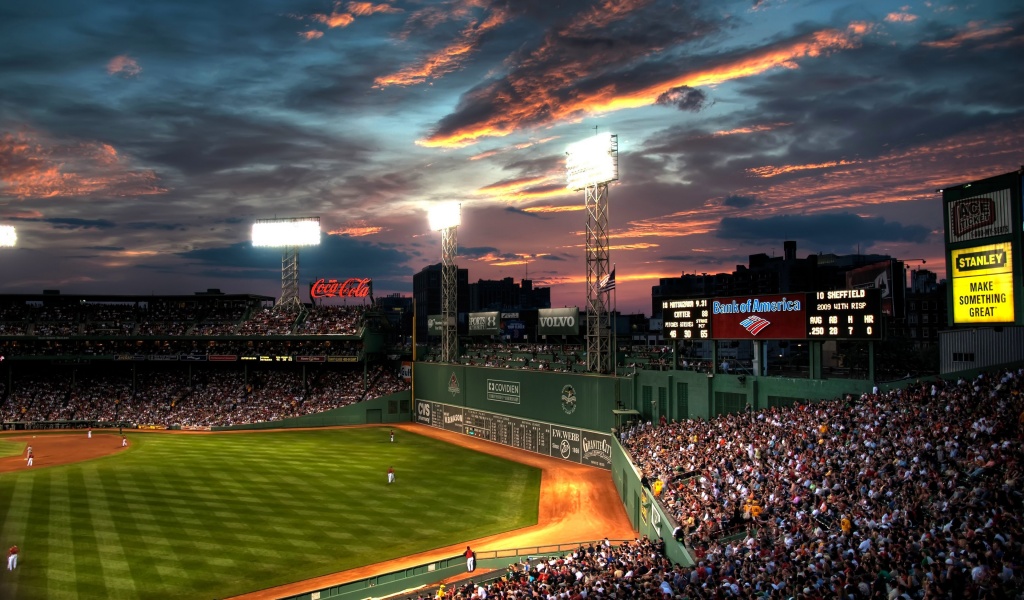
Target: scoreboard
point(687, 319)
point(853, 314)
point(844, 315)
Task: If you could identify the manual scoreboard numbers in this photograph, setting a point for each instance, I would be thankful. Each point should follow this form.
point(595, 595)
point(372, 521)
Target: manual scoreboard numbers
point(686, 319)
point(845, 315)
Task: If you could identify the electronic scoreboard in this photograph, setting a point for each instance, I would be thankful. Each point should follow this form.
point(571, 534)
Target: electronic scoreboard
point(844, 315)
point(686, 319)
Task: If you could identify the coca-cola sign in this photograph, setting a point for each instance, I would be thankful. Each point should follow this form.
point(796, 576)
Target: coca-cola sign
point(353, 287)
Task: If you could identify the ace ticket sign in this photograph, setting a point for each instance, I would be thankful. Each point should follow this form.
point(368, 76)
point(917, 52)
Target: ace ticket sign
point(983, 284)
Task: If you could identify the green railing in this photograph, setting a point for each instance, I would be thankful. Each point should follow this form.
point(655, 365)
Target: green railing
point(432, 573)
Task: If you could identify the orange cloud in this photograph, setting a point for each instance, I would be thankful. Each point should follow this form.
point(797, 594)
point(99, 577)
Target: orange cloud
point(751, 129)
point(310, 35)
point(554, 209)
point(911, 174)
point(35, 166)
point(553, 96)
point(773, 171)
point(975, 31)
point(357, 230)
point(900, 17)
point(335, 18)
point(520, 146)
point(123, 66)
point(365, 9)
point(449, 58)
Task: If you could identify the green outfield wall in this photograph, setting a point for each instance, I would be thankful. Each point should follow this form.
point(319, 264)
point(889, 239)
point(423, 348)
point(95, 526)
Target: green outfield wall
point(691, 394)
point(563, 415)
point(572, 399)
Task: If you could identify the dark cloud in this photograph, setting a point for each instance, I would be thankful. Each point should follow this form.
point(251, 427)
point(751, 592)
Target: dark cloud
point(519, 211)
point(105, 248)
point(69, 223)
point(684, 98)
point(477, 252)
point(825, 231)
point(739, 201)
point(150, 226)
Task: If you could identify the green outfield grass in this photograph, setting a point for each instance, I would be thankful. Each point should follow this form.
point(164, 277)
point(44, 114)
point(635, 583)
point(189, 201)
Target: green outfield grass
point(186, 516)
point(11, 448)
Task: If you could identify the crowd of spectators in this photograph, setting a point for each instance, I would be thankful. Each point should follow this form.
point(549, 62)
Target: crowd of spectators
point(336, 320)
point(175, 319)
point(172, 347)
point(209, 397)
point(914, 493)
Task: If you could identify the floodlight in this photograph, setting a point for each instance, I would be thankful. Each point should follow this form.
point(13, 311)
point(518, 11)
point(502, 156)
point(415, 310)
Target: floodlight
point(592, 161)
point(8, 237)
point(444, 215)
point(286, 232)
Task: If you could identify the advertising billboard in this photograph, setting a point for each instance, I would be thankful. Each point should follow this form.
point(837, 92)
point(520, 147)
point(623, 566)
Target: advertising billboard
point(885, 276)
point(353, 287)
point(983, 284)
point(769, 317)
point(558, 321)
point(981, 216)
point(435, 325)
point(485, 323)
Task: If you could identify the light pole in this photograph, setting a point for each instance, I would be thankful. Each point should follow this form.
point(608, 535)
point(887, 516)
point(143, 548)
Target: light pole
point(288, 234)
point(446, 218)
point(590, 165)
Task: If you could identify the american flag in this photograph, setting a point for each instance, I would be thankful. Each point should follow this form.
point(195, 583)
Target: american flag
point(607, 283)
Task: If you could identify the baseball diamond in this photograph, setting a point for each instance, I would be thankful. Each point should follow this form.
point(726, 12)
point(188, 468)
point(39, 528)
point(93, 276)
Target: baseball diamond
point(179, 515)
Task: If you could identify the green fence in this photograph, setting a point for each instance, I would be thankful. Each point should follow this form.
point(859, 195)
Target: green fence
point(427, 574)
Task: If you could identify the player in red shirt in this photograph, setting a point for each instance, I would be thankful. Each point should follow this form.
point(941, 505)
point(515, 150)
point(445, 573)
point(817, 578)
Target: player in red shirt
point(391, 474)
point(12, 558)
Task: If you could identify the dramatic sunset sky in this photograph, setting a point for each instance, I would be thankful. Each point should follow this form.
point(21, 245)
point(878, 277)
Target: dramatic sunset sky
point(139, 140)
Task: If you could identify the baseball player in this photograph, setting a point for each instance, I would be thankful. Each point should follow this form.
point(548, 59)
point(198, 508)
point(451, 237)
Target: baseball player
point(124, 441)
point(90, 433)
point(12, 558)
point(391, 475)
point(30, 457)
point(470, 559)
point(392, 435)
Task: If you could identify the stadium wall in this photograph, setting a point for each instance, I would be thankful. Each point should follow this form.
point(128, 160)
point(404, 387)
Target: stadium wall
point(562, 415)
point(575, 400)
point(393, 408)
point(692, 394)
point(643, 511)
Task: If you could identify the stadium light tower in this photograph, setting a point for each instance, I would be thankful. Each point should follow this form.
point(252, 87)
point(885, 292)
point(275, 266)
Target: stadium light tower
point(590, 165)
point(446, 218)
point(289, 235)
point(8, 236)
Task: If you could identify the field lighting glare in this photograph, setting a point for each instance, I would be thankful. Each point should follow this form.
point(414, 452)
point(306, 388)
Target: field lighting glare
point(445, 215)
point(592, 161)
point(8, 237)
point(286, 232)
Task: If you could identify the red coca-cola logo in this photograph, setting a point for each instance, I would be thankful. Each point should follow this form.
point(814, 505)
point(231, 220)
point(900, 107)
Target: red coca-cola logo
point(352, 287)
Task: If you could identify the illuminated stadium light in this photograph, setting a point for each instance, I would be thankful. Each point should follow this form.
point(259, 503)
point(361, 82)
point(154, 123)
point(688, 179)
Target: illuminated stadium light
point(280, 233)
point(592, 161)
point(445, 215)
point(288, 234)
point(8, 237)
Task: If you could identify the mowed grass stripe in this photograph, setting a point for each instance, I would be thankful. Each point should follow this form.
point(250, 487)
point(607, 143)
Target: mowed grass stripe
point(217, 515)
